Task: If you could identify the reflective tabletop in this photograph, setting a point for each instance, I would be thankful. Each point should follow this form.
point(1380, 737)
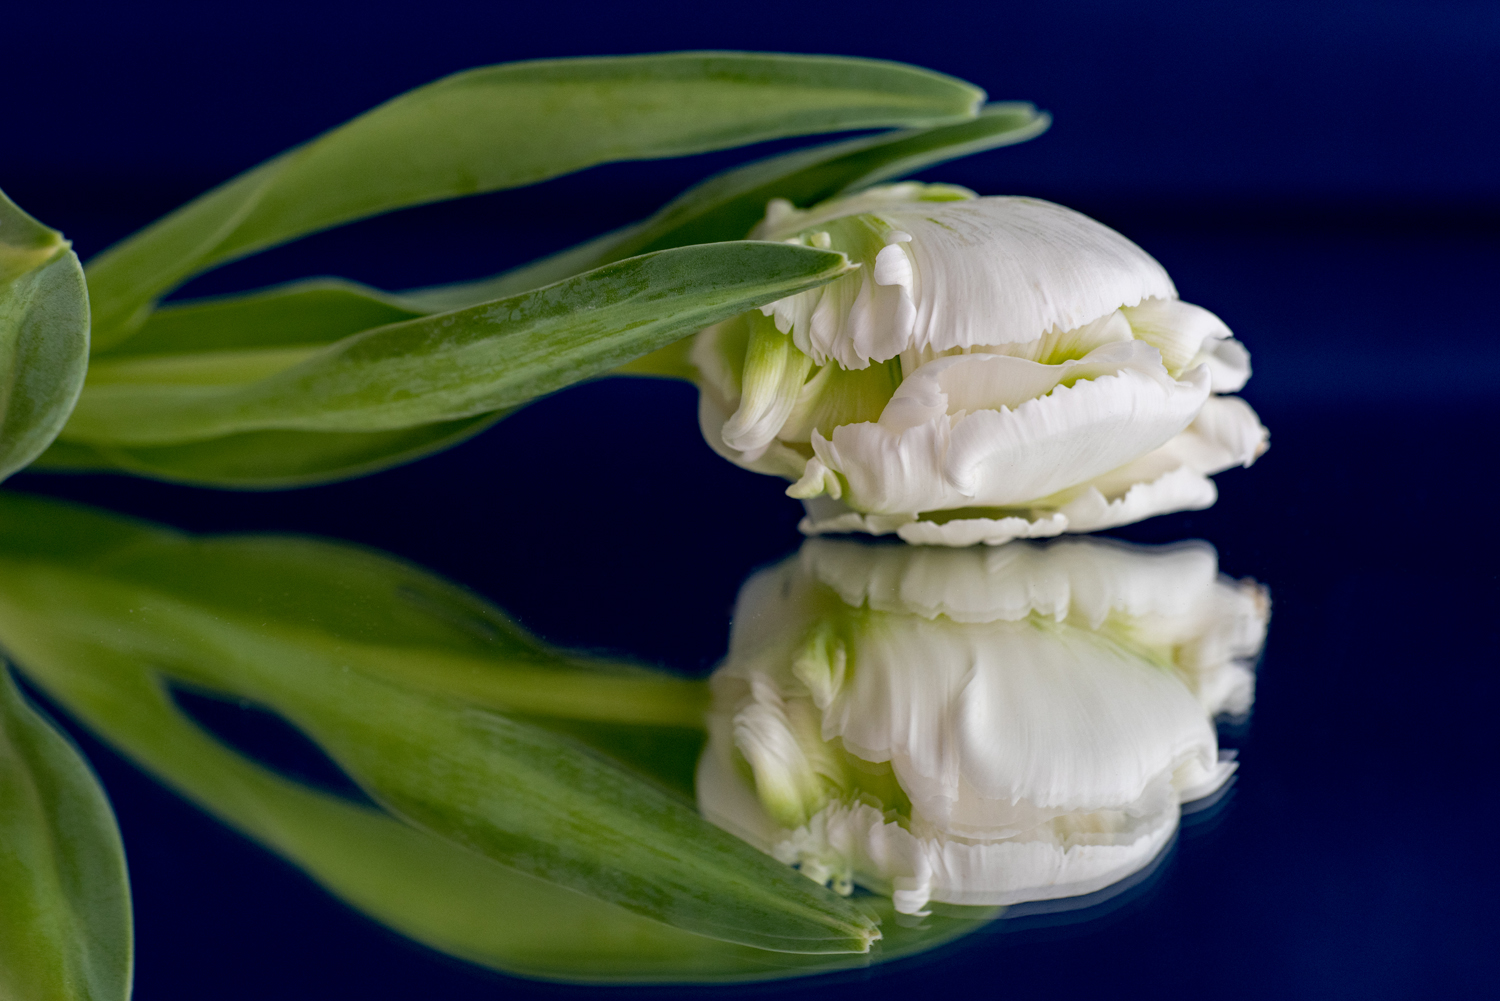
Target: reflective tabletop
point(1331, 836)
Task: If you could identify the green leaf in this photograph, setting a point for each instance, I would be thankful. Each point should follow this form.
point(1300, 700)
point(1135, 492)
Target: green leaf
point(512, 791)
point(44, 335)
point(724, 207)
point(728, 205)
point(506, 126)
point(315, 311)
point(65, 930)
point(455, 365)
point(267, 460)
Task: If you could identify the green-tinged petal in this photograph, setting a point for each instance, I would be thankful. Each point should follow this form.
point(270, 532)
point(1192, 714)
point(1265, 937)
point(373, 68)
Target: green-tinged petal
point(226, 614)
point(506, 126)
point(44, 335)
point(65, 930)
point(466, 363)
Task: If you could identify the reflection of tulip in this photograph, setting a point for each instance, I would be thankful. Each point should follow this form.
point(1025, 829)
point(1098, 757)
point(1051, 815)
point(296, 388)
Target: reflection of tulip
point(976, 726)
point(997, 368)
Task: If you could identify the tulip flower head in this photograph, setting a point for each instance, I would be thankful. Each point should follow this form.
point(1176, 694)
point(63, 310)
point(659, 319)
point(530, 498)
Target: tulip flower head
point(996, 368)
point(976, 726)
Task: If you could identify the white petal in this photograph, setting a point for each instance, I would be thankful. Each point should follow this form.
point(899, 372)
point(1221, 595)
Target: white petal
point(961, 532)
point(890, 473)
point(1000, 458)
point(958, 273)
point(1179, 330)
point(1008, 270)
point(1225, 433)
point(1181, 489)
point(1228, 362)
point(1069, 436)
point(1188, 336)
point(827, 516)
point(774, 458)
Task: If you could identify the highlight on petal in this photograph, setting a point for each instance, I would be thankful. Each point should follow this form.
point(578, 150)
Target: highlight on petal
point(980, 726)
point(969, 270)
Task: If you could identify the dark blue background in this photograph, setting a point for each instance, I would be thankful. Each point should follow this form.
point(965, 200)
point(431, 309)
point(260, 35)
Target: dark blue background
point(1324, 177)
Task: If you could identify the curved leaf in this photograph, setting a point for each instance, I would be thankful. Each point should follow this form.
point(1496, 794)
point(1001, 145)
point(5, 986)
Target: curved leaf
point(314, 311)
point(267, 460)
point(506, 126)
point(724, 207)
point(728, 205)
point(65, 929)
point(470, 362)
point(44, 335)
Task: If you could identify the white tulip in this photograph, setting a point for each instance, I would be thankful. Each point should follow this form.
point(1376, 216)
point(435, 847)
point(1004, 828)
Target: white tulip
point(976, 726)
point(996, 368)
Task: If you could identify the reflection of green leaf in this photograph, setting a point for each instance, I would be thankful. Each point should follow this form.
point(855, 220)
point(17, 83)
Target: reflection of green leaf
point(449, 366)
point(64, 896)
point(506, 126)
point(422, 886)
point(378, 667)
point(44, 335)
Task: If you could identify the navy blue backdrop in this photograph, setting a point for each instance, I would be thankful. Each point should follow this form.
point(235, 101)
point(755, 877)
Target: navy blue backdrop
point(1322, 176)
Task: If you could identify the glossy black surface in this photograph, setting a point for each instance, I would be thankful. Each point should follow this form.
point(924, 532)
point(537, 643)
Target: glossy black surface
point(1323, 180)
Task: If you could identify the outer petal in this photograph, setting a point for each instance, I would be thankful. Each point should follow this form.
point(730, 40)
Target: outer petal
point(1005, 457)
point(776, 458)
point(976, 271)
point(1174, 477)
point(990, 531)
point(1181, 489)
point(1007, 270)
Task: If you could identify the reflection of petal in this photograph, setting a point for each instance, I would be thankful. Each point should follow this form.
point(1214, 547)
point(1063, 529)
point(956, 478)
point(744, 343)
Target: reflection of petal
point(855, 842)
point(1081, 580)
point(981, 725)
point(1007, 725)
